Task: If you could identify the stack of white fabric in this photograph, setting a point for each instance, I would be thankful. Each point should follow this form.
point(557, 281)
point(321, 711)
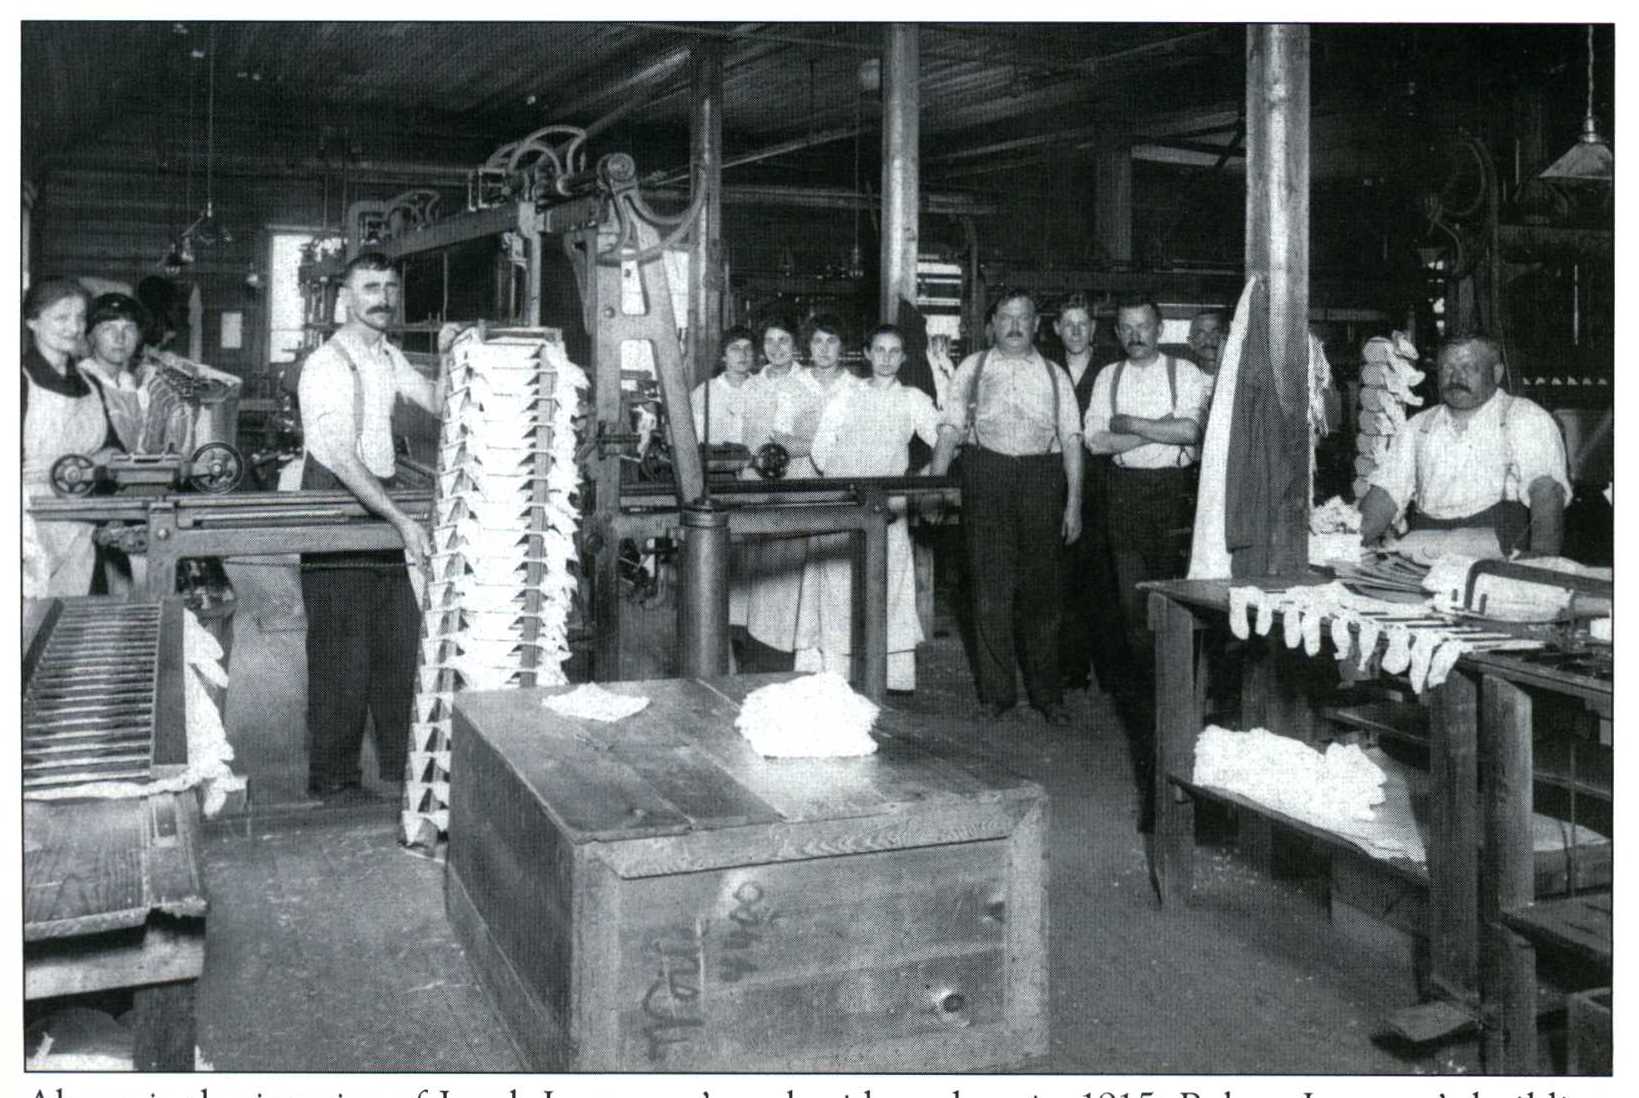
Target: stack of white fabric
point(500, 587)
point(1334, 533)
point(1342, 789)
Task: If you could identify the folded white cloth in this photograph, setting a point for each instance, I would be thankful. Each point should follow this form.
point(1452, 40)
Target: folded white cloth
point(592, 702)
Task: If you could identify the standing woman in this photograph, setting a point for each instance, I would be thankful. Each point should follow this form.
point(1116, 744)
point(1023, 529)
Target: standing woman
point(61, 415)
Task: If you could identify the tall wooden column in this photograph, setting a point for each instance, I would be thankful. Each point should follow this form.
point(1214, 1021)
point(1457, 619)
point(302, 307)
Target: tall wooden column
point(901, 166)
point(1113, 197)
point(1277, 253)
point(706, 251)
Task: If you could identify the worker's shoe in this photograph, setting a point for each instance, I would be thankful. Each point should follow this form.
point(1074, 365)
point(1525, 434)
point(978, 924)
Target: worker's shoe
point(994, 711)
point(1055, 713)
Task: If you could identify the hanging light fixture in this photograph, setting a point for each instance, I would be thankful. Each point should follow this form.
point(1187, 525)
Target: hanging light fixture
point(204, 230)
point(1590, 159)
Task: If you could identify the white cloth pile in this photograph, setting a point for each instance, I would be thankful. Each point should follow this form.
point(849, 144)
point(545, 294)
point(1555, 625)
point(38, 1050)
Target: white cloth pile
point(1322, 788)
point(1420, 644)
point(1341, 790)
point(589, 701)
point(208, 749)
point(811, 717)
point(1361, 796)
point(500, 585)
point(1387, 380)
point(1334, 532)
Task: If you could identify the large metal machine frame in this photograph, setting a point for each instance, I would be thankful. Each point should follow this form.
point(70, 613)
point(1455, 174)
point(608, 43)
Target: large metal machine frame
point(543, 194)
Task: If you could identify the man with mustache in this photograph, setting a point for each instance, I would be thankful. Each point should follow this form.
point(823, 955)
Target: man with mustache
point(1146, 412)
point(363, 622)
point(1013, 414)
point(1483, 459)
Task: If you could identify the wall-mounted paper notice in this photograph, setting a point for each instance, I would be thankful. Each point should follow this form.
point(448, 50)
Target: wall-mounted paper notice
point(233, 331)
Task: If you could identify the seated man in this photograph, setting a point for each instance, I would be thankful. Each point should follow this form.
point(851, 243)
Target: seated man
point(1482, 459)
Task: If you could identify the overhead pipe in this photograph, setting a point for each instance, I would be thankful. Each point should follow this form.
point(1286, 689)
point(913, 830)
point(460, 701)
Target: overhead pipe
point(824, 137)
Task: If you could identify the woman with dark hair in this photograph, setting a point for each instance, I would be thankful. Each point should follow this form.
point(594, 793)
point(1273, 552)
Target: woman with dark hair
point(776, 616)
point(62, 415)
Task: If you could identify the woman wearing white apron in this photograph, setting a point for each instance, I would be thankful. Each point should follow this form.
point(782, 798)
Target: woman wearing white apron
point(61, 415)
point(866, 432)
point(770, 563)
point(777, 616)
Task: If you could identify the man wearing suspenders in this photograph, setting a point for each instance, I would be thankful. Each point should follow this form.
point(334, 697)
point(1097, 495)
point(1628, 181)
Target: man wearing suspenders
point(1483, 459)
point(1013, 414)
point(1146, 412)
point(363, 623)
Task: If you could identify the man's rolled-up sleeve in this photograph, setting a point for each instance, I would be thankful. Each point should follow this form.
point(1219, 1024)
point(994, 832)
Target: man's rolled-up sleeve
point(1098, 407)
point(954, 413)
point(326, 396)
point(1539, 448)
point(1069, 412)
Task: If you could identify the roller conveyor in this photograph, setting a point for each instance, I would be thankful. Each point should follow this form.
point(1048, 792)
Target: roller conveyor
point(102, 692)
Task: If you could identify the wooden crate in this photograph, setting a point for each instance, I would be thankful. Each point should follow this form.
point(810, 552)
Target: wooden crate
point(652, 895)
point(1588, 1032)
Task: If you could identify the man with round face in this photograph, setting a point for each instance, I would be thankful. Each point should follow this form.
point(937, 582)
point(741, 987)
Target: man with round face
point(1483, 459)
point(1012, 414)
point(1146, 413)
point(147, 411)
point(362, 617)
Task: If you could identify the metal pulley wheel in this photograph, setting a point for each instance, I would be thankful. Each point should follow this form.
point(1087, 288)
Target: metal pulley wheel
point(772, 461)
point(73, 475)
point(216, 468)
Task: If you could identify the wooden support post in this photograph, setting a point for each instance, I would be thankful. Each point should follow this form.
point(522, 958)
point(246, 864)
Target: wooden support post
point(706, 250)
point(1508, 984)
point(1177, 722)
point(901, 167)
point(1113, 197)
point(1277, 253)
point(1453, 839)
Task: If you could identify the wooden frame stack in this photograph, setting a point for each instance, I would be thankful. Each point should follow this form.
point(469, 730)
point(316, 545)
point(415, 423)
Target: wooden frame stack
point(499, 585)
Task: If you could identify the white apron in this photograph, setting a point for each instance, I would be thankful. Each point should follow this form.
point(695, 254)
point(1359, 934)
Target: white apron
point(57, 425)
point(866, 432)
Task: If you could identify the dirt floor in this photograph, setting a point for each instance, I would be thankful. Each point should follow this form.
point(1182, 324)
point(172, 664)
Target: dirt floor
point(329, 950)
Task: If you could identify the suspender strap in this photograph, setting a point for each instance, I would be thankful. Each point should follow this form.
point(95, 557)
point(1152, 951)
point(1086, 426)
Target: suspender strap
point(973, 397)
point(1172, 389)
point(358, 393)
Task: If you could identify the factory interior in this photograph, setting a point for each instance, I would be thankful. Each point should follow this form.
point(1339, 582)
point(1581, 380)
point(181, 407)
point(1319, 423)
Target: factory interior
point(733, 652)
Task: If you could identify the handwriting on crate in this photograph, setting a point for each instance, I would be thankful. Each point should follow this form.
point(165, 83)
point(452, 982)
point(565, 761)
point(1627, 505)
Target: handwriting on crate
point(673, 1006)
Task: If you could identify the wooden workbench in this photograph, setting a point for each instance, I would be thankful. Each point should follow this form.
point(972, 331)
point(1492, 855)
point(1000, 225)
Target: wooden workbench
point(1479, 905)
point(113, 891)
point(653, 895)
point(113, 899)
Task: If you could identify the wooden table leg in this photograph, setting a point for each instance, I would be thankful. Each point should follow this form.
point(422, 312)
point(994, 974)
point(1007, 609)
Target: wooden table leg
point(163, 1028)
point(1177, 723)
point(1453, 839)
point(1508, 986)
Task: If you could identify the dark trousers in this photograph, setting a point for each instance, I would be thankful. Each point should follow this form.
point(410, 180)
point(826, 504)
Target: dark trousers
point(1012, 509)
point(1090, 627)
point(1148, 522)
point(363, 626)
